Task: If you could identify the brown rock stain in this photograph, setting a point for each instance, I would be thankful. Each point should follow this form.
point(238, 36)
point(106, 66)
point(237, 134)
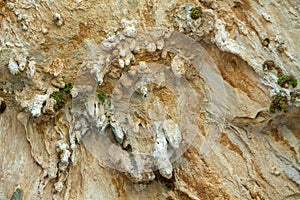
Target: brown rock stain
point(279, 138)
point(239, 75)
point(202, 182)
point(169, 100)
point(147, 15)
point(118, 183)
point(87, 31)
point(224, 140)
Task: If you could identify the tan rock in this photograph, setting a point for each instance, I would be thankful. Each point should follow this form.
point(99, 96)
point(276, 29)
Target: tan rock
point(254, 155)
point(56, 67)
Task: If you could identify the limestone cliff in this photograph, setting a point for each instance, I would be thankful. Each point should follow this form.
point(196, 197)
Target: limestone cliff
point(150, 99)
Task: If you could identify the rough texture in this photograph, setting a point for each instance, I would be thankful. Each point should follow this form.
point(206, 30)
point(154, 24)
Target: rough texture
point(239, 149)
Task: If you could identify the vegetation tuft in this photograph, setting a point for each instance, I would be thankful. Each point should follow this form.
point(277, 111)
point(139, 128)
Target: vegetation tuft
point(287, 80)
point(101, 96)
point(68, 88)
point(60, 100)
point(196, 13)
point(279, 103)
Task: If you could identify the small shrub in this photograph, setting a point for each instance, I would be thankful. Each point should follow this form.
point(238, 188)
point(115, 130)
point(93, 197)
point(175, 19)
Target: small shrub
point(294, 83)
point(60, 100)
point(68, 88)
point(196, 13)
point(287, 80)
point(101, 96)
point(279, 103)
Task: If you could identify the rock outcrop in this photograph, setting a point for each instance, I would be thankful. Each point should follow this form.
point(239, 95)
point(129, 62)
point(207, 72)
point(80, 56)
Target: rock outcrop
point(149, 99)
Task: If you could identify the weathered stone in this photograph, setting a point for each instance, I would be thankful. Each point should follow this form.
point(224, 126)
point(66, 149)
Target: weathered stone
point(17, 195)
point(58, 82)
point(172, 133)
point(13, 67)
point(230, 118)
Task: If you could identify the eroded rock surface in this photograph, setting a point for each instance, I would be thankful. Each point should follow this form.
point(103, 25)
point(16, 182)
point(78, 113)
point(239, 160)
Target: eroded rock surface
point(163, 106)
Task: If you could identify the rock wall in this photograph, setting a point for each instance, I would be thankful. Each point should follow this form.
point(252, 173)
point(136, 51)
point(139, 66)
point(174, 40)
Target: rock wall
point(86, 86)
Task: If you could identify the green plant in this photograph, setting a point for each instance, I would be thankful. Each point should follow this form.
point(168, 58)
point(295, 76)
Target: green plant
point(60, 100)
point(101, 96)
point(294, 82)
point(279, 103)
point(286, 80)
point(68, 87)
point(196, 13)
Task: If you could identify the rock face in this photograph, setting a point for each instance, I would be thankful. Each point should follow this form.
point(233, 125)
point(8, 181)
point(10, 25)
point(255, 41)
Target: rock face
point(162, 105)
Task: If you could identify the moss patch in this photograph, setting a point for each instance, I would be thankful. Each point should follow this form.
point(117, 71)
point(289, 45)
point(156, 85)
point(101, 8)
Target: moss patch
point(196, 13)
point(101, 96)
point(279, 103)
